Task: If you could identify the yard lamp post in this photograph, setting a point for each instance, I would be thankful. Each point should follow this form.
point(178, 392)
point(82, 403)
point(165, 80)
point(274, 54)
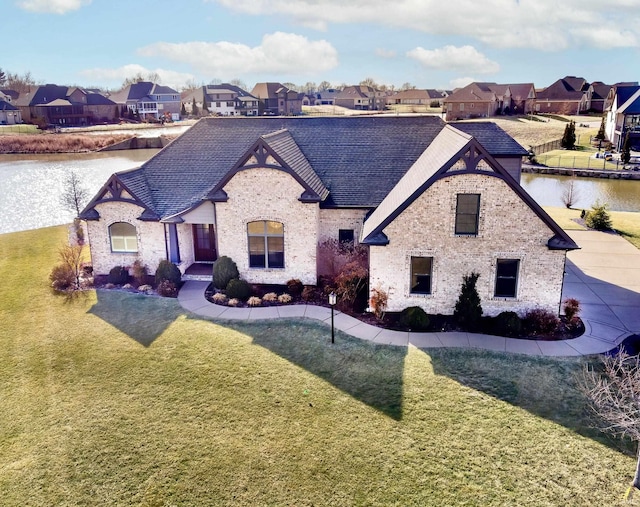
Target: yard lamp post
point(332, 303)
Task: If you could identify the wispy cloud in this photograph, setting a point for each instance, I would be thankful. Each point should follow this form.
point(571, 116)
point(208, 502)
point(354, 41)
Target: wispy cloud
point(118, 75)
point(546, 25)
point(278, 53)
point(385, 53)
point(464, 58)
point(52, 6)
point(460, 82)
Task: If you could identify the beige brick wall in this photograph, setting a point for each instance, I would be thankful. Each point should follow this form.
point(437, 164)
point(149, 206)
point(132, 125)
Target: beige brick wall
point(508, 228)
point(151, 245)
point(269, 194)
point(332, 220)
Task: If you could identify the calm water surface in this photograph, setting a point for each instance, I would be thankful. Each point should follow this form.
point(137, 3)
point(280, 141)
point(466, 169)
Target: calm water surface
point(31, 185)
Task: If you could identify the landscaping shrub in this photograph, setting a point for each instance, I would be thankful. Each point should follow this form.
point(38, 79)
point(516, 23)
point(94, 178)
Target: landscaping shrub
point(234, 302)
point(351, 282)
point(414, 318)
point(468, 309)
point(224, 270)
point(219, 298)
point(539, 322)
point(507, 324)
point(167, 270)
point(119, 275)
point(167, 289)
point(62, 277)
point(238, 289)
point(145, 288)
point(295, 287)
point(284, 298)
point(598, 218)
point(571, 309)
point(270, 297)
point(254, 301)
point(378, 302)
point(308, 293)
point(333, 256)
point(139, 272)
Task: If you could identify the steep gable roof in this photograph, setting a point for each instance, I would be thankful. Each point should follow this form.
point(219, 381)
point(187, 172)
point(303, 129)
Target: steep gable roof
point(473, 92)
point(452, 152)
point(5, 106)
point(632, 104)
point(568, 88)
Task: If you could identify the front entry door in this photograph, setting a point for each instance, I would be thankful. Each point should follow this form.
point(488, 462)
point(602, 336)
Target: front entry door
point(204, 243)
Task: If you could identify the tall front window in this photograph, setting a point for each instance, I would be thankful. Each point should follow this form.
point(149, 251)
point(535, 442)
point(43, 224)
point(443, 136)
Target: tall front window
point(467, 210)
point(266, 244)
point(123, 237)
point(507, 278)
point(421, 269)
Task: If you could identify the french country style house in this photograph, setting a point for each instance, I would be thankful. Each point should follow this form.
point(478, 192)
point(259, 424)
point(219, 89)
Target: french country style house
point(433, 201)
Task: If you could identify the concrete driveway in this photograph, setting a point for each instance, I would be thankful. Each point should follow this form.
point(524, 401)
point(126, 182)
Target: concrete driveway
point(605, 277)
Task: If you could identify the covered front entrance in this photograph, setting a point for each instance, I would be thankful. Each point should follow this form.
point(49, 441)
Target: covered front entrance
point(204, 243)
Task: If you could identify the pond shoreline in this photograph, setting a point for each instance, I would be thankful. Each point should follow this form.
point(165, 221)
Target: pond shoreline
point(623, 174)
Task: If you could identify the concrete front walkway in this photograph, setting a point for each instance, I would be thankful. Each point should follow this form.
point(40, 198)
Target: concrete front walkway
point(604, 276)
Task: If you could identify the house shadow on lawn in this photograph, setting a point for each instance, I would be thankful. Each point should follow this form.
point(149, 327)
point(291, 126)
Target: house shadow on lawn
point(370, 373)
point(142, 318)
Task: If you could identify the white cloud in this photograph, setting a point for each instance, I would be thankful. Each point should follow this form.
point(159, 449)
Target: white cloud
point(279, 53)
point(52, 6)
point(464, 58)
point(167, 77)
point(385, 53)
point(546, 25)
point(460, 82)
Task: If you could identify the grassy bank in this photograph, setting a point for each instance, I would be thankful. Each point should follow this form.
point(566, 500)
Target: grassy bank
point(115, 399)
point(57, 143)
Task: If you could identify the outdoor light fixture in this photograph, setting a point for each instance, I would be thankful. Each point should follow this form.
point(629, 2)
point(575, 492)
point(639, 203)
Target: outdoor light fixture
point(332, 303)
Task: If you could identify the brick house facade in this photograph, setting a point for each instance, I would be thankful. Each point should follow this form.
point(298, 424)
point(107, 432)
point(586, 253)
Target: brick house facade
point(267, 191)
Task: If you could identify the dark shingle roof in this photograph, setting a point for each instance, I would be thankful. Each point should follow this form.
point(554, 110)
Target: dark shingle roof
point(492, 137)
point(5, 106)
point(358, 159)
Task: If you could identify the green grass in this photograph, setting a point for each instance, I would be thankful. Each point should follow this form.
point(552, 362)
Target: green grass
point(626, 223)
point(115, 399)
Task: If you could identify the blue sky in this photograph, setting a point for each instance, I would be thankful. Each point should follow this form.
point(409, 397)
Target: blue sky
point(428, 43)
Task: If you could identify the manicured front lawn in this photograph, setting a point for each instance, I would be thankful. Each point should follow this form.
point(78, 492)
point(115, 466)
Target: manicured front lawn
point(116, 399)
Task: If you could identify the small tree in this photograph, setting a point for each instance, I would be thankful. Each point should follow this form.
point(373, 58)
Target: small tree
point(183, 110)
point(625, 155)
point(613, 391)
point(601, 135)
point(74, 195)
point(570, 193)
point(569, 137)
point(66, 274)
point(194, 107)
point(468, 310)
point(205, 107)
point(598, 218)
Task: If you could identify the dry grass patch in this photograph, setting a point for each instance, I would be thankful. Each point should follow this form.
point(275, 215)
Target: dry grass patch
point(57, 143)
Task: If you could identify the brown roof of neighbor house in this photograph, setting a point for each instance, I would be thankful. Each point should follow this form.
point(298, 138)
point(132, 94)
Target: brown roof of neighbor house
point(418, 94)
point(568, 88)
point(473, 92)
point(520, 91)
point(267, 90)
point(600, 90)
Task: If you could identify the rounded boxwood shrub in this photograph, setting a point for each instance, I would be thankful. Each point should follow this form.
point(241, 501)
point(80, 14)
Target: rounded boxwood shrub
point(295, 287)
point(224, 270)
point(414, 318)
point(508, 324)
point(238, 289)
point(168, 271)
point(119, 275)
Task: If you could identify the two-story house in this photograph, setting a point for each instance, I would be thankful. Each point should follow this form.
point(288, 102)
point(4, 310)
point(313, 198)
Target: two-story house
point(149, 100)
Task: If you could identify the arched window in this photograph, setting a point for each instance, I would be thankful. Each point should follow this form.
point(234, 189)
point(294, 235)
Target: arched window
point(266, 244)
point(123, 237)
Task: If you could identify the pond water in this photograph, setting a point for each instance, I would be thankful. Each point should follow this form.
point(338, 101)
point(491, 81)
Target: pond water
point(32, 184)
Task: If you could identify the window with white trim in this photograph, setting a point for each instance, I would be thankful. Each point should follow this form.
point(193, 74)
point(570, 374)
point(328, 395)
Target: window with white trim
point(266, 244)
point(123, 237)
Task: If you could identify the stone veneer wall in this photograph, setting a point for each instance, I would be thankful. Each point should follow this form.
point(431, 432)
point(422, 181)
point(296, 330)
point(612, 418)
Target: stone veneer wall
point(332, 220)
point(269, 194)
point(151, 245)
point(508, 229)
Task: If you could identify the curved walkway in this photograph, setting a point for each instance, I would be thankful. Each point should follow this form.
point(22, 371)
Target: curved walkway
point(604, 276)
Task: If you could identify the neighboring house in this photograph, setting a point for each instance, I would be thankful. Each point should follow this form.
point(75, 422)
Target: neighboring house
point(417, 97)
point(433, 201)
point(277, 100)
point(477, 100)
point(65, 106)
point(9, 114)
point(151, 101)
point(223, 100)
point(623, 116)
point(597, 96)
point(9, 95)
point(362, 97)
point(566, 96)
point(523, 98)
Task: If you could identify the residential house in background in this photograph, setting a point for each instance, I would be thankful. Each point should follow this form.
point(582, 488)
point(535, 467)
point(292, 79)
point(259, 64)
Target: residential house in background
point(566, 96)
point(523, 98)
point(433, 201)
point(9, 96)
point(9, 114)
point(277, 100)
point(597, 96)
point(151, 101)
point(361, 97)
point(417, 97)
point(477, 100)
point(623, 116)
point(223, 99)
point(51, 104)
